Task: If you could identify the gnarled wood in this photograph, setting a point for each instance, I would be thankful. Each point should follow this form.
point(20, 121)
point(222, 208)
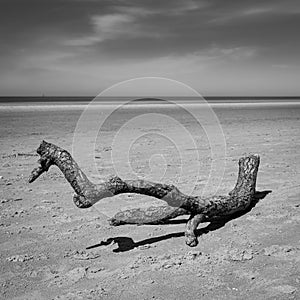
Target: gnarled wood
point(200, 208)
point(190, 229)
point(150, 215)
point(161, 214)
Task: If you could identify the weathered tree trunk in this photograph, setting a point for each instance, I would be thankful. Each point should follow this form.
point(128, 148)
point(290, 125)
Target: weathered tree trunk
point(161, 214)
point(149, 215)
point(200, 208)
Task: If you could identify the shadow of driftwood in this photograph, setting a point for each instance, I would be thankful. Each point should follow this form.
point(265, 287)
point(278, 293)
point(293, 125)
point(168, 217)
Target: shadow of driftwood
point(127, 243)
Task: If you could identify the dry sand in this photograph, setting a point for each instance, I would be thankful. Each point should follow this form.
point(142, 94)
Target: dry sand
point(52, 250)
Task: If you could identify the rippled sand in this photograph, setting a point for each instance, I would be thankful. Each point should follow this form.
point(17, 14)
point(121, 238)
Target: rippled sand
point(44, 237)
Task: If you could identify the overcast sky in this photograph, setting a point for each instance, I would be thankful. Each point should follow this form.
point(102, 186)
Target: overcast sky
point(80, 47)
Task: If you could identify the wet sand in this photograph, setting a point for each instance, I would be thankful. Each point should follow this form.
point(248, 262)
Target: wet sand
point(51, 249)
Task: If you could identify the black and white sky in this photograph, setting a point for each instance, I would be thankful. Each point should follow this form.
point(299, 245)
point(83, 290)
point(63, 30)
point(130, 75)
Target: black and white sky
point(218, 47)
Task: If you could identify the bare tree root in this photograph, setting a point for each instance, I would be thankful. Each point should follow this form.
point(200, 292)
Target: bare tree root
point(200, 208)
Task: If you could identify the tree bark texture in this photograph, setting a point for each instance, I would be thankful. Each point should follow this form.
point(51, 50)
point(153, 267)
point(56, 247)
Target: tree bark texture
point(201, 209)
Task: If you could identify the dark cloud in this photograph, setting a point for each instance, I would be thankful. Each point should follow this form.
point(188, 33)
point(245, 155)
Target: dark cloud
point(56, 37)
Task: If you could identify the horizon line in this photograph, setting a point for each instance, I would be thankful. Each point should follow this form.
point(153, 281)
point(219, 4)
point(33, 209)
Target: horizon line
point(154, 97)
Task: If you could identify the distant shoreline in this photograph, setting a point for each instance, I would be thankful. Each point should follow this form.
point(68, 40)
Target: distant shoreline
point(136, 100)
point(80, 106)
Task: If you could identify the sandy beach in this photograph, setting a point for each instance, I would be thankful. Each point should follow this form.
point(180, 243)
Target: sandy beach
point(50, 249)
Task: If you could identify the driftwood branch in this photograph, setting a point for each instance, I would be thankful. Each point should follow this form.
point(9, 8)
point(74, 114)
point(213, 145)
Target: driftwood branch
point(161, 214)
point(150, 215)
point(200, 208)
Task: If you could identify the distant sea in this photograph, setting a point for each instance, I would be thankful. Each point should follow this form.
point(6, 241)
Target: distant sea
point(10, 104)
point(160, 100)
